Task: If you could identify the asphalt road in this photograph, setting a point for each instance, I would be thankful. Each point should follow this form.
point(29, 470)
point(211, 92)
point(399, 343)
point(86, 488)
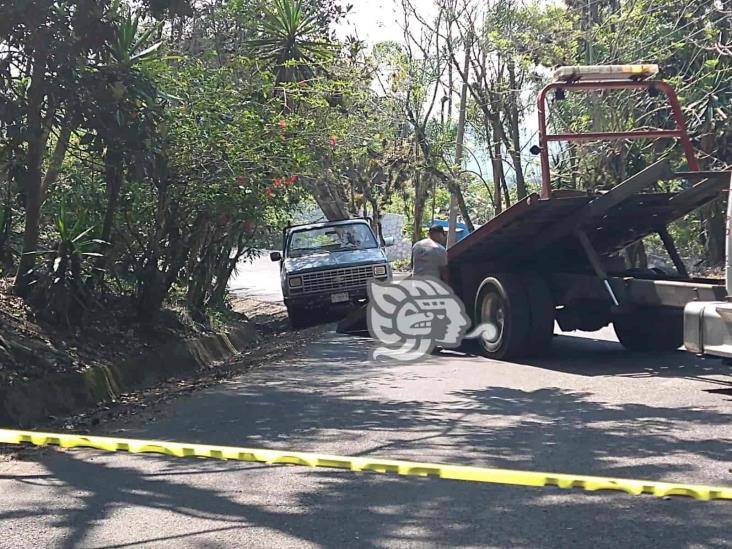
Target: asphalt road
point(258, 278)
point(591, 409)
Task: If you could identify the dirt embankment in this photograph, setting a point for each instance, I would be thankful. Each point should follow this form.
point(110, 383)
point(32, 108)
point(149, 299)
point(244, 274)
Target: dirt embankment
point(50, 377)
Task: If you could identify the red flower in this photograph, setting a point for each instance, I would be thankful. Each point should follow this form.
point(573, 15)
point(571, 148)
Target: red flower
point(333, 140)
point(241, 180)
point(291, 180)
point(277, 181)
point(282, 124)
point(268, 192)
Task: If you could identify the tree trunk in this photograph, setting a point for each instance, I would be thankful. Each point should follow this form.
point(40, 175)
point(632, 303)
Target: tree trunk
point(714, 230)
point(421, 184)
point(153, 288)
point(573, 165)
point(152, 292)
point(32, 226)
point(218, 294)
point(176, 251)
point(725, 22)
point(714, 213)
point(514, 118)
point(201, 279)
point(215, 292)
point(497, 170)
point(462, 205)
point(32, 178)
point(452, 223)
point(57, 160)
point(376, 220)
point(199, 271)
point(635, 256)
point(506, 194)
point(6, 256)
point(195, 296)
point(199, 235)
point(113, 176)
point(333, 207)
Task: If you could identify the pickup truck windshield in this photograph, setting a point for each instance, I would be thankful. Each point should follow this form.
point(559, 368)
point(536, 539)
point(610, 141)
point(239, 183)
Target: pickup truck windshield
point(341, 238)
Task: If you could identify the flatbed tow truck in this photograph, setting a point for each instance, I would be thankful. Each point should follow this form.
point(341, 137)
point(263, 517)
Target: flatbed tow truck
point(553, 256)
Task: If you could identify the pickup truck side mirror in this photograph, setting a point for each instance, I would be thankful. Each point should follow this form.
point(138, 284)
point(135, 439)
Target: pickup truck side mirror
point(389, 241)
point(275, 256)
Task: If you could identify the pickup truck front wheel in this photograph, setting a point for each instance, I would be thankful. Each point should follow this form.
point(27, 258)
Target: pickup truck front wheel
point(297, 316)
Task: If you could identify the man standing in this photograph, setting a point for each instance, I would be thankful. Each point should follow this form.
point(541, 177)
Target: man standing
point(429, 255)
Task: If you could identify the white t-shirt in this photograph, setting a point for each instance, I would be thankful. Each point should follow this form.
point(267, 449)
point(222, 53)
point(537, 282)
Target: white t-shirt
point(427, 258)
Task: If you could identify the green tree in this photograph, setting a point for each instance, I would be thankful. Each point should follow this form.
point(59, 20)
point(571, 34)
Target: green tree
point(686, 39)
point(47, 45)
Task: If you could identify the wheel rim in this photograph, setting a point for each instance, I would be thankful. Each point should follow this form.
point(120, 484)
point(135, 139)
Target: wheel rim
point(493, 318)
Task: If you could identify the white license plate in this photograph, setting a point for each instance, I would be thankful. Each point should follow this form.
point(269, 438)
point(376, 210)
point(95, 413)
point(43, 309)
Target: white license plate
point(339, 298)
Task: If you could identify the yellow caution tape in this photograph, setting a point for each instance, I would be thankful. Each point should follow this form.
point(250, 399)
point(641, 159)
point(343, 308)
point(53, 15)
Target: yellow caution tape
point(452, 472)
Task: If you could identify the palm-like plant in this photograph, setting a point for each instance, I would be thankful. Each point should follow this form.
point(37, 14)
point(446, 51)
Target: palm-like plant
point(290, 38)
point(59, 290)
point(129, 43)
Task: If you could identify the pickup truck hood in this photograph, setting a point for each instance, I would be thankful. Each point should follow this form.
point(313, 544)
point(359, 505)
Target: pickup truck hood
point(334, 260)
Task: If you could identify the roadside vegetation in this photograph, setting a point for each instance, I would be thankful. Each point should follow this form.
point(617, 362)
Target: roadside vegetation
point(147, 147)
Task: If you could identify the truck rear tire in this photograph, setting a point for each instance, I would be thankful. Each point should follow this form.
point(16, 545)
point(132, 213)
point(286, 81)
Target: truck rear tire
point(541, 313)
point(646, 330)
point(502, 307)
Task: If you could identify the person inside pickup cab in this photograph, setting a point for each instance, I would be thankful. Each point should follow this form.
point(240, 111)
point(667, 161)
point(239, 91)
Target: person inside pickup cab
point(429, 255)
point(346, 238)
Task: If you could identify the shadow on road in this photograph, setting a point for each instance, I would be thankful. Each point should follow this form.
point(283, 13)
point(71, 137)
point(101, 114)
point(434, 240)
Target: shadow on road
point(365, 510)
point(550, 429)
point(597, 357)
point(585, 356)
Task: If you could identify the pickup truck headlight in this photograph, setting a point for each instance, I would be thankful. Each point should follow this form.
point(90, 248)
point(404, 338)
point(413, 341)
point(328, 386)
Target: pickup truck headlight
point(295, 281)
point(380, 270)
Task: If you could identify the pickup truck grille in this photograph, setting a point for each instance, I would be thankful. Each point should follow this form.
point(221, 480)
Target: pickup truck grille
point(336, 279)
